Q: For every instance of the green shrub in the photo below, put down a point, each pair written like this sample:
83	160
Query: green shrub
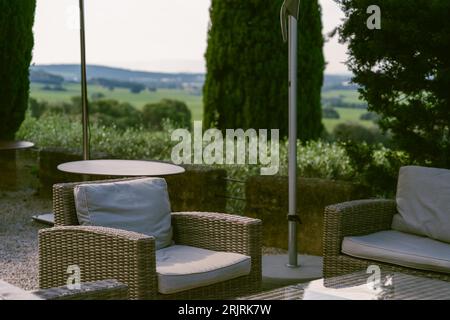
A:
376	167
177	112
66	132
356	133
330	113
369	116
37	108
97	96
114	113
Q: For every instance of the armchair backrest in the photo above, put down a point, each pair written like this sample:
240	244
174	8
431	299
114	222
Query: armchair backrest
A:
423	202
64	201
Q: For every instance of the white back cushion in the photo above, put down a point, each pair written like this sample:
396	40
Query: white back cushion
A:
136	205
423	202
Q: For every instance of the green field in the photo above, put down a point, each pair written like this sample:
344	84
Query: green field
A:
348	96
347	115
194	102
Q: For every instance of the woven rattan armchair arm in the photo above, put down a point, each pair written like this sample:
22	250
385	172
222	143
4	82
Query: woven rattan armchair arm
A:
218	231
100	254
355	218
98	290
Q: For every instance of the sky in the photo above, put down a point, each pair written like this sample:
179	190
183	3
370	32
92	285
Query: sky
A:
150	35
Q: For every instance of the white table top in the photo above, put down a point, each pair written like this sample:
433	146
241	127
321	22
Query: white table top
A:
15	145
122	168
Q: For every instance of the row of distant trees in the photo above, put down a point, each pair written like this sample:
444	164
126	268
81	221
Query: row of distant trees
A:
112	84
332	113
56	83
339	102
121	115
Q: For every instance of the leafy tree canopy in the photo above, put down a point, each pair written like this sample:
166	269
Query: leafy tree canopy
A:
404	71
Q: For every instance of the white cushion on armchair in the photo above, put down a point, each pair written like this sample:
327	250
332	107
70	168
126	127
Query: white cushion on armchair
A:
140	205
400	248
181	268
423	202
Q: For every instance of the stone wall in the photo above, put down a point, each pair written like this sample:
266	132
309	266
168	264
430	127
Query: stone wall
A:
267	199
8	170
18	169
50	158
200	188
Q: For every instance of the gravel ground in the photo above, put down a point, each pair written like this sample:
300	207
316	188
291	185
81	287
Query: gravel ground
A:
18	238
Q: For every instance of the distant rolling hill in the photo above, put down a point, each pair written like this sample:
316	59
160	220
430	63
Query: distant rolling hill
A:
71	73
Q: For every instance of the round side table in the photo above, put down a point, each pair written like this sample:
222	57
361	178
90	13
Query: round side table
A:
121	168
15	145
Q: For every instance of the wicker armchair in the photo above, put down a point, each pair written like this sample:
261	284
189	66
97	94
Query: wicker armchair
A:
357	218
104	253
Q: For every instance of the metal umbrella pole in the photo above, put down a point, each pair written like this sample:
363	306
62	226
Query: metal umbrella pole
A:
49	218
84	92
289	18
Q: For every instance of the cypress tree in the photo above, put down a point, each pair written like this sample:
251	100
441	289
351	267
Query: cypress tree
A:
247	61
16	45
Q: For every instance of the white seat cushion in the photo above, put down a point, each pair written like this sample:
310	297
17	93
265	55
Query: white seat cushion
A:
400	248
140	205
182	268
423	202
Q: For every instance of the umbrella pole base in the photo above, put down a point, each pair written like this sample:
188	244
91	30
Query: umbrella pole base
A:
276	273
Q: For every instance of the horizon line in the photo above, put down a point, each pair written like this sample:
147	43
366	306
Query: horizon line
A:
154	71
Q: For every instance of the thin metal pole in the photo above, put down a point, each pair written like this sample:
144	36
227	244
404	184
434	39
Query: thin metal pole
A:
84	94
293	218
